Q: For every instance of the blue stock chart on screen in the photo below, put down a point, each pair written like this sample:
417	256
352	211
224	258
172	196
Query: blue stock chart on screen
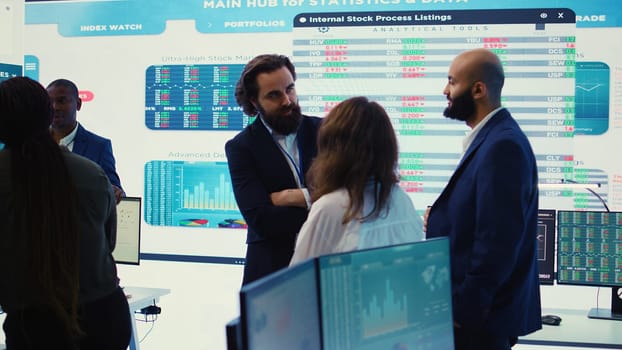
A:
190	194
592	98
389	298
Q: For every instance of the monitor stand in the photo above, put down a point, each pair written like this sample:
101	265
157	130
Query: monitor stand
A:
615	313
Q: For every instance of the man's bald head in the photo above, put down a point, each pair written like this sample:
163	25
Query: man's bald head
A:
483	65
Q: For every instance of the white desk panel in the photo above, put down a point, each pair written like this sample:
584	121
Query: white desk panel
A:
577	330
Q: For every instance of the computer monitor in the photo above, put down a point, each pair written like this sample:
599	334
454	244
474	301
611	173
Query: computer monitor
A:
232	333
546	246
396	297
589	248
127	248
281	311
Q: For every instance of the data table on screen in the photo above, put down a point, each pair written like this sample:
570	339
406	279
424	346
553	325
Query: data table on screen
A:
193	97
400	59
590	248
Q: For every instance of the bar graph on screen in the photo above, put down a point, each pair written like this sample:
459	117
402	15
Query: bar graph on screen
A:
191	194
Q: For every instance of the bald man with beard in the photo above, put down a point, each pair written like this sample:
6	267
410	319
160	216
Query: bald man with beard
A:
489	211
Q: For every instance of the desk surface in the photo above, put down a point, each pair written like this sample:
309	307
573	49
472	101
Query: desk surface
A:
577	330
138	298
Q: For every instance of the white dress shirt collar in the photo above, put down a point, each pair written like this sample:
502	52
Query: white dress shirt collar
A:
67	141
470	135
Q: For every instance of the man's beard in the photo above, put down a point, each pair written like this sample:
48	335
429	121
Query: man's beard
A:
462	107
281	123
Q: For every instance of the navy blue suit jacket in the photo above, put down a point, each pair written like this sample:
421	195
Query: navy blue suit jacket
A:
258	168
97	149
489	210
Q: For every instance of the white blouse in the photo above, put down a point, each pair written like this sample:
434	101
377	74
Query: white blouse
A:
323	232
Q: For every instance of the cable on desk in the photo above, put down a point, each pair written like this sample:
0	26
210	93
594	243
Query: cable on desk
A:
149	315
148	331
597	296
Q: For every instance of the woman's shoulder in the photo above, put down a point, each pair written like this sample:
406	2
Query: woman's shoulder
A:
398	193
82	167
333	199
76	160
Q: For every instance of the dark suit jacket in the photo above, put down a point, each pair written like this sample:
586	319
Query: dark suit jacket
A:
257	169
489	210
97	149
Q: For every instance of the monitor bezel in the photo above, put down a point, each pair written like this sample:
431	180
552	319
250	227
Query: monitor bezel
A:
551	248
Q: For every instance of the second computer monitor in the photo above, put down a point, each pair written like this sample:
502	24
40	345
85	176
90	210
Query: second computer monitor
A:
281	311
546	246
396	297
589	248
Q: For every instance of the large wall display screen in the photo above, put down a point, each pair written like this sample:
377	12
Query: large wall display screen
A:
158	79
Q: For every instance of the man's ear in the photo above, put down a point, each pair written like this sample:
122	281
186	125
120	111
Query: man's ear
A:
479	90
253	101
78	104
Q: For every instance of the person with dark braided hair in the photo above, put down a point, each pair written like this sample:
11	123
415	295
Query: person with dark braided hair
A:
58	279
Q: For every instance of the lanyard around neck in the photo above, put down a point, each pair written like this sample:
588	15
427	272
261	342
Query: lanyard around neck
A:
290	159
